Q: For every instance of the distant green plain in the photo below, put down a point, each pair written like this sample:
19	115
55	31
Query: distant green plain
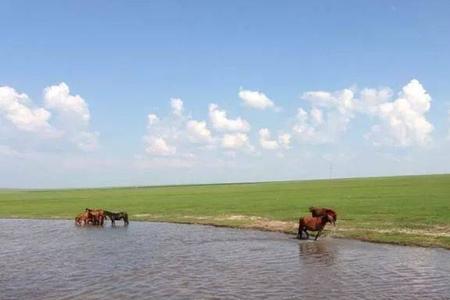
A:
410	210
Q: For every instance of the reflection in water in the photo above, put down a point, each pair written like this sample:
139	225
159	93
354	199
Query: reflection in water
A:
316	253
57	260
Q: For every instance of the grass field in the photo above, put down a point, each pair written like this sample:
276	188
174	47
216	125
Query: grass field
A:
410	210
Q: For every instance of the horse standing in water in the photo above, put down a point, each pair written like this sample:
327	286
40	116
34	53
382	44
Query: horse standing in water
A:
97	214
116	216
313	224
84	218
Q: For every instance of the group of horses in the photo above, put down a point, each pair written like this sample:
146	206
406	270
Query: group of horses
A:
97	217
316	222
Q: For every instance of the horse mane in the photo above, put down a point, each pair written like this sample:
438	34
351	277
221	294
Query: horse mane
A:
319	212
330	211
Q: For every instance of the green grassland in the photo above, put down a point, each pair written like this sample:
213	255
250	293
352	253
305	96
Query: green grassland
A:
410	210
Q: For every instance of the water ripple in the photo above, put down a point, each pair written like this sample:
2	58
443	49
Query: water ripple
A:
56	260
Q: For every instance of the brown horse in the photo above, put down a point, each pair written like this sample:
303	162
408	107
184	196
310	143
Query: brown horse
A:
84	218
319	212
314	224
98	215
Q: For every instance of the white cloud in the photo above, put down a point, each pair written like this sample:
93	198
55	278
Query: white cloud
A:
86	141
198	132
319	127
284	140
175	137
220	121
158	146
343	101
65	118
18	110
177	106
402	122
235	141
328	117
58	98
370	99
152	119
72	116
265	140
255	99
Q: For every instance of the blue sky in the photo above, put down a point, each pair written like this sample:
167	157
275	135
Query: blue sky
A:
359	87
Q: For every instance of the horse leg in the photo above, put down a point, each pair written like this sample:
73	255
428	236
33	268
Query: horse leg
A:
307	234
317	235
300	229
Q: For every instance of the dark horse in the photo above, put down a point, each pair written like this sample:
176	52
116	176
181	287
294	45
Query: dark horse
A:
314	224
116	216
319	212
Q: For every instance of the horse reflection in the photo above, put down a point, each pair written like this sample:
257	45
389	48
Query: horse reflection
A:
318	253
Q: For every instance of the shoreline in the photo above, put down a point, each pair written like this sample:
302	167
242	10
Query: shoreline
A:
336	233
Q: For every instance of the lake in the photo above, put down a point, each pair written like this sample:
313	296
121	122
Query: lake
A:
42	259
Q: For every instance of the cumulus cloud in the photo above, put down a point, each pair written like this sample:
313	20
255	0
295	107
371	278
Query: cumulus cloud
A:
371	99
152	119
161	136
284	140
177	106
266	141
58	98
72	115
328	117
198	132
343	101
86	140
63	117
402	122
18	110
236	141
318	127
220	121
255	99
175	137
158	146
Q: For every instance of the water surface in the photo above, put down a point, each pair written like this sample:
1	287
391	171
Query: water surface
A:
56	260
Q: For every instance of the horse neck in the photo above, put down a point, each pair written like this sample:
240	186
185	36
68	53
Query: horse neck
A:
323	220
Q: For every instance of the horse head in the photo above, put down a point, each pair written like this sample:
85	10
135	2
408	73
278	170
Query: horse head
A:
332	215
326	219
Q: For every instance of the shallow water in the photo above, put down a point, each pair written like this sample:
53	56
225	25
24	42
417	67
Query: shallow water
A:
57	260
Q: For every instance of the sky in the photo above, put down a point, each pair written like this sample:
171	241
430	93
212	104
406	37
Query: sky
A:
125	93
